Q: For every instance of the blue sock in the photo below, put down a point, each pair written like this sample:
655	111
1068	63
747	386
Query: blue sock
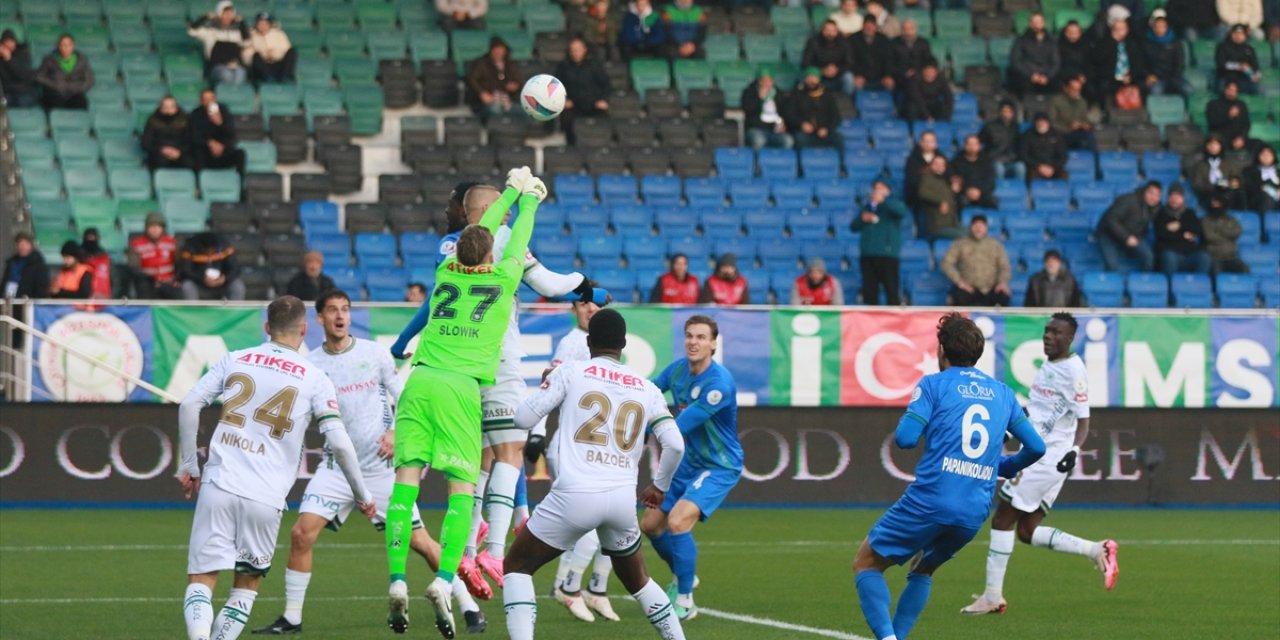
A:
911	603
662	544
522	493
873	595
684	563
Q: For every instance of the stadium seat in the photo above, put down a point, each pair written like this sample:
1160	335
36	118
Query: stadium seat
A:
703	193
791	194
185	214
85	181
1262	261
220	185
130	183
1103	289
375	250
621	283
778	164
929	289
820	164
749	194
335	246
1148	289
915	256
808	226
1050	195
1192	290
1118	167
575	190
1082	167
616	189
1250	228
735	163
660	190
677	222
721	223
599	250
318	215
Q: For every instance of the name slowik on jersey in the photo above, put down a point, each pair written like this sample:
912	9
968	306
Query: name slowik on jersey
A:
967	468
244	444
460	332
273	362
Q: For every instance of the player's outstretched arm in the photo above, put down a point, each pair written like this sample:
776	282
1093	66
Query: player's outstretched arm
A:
562	287
415	327
543	401
522	231
516	179
344	453
1032	448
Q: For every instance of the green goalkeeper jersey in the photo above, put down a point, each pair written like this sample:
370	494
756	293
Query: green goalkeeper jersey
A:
471	306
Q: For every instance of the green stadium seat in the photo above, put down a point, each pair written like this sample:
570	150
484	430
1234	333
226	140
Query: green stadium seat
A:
376	16
344	44
722	47
467	45
762	48
998	49
388	45
649	74
428	46
113	241
174	183
1266	58
36	154
336	18
130	182
97	212
1167	109
503	18
321	102
309	43
785	74
1023	18
260	156
49	213
967	53
692	74
544	18
107	65
280	98
239	98
793	49
1060	18
1268	132
85	181
355	70
30	121
1200	79
294	16
121	153
44	185
1259	106
790	22
220	185
922	17
520	42
185	214
77	152
144	97
187	94
1196	108
954	24
109	95
312	72
133	214
140	67
1202	54
113	124
69	122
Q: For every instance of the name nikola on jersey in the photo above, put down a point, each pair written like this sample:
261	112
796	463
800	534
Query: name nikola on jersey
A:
242	443
967	469
608	459
460	332
610	375
275	362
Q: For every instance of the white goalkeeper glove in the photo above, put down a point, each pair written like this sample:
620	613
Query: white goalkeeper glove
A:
534	187
516	178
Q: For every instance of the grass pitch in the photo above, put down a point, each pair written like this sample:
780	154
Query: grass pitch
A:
766	574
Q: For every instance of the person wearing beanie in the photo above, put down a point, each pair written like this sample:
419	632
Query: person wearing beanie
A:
1166	60
1043	150
816	287
815	114
75	280
269	53
1053	286
1179	236
99	261
929	95
726	286
17	78
1222	233
686	28
153	259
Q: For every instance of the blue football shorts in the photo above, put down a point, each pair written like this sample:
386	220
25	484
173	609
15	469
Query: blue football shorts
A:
900	533
704	487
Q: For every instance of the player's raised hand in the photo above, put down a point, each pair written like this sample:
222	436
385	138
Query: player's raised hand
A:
1068	462
387	445
369	509
516	178
190	485
652	497
535	187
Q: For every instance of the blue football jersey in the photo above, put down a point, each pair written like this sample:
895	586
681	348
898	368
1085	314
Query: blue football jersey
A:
965	414
447	247
707	412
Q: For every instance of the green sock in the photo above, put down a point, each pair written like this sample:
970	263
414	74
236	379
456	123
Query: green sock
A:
453	535
400	527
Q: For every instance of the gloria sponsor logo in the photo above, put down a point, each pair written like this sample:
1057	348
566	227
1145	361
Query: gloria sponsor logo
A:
107	340
975	391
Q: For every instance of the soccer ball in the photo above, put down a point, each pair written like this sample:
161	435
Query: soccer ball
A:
542	97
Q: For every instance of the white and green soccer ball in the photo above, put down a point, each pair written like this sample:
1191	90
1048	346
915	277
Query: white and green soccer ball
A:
542	97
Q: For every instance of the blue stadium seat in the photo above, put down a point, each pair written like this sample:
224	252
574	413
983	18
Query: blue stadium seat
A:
763	224
722	223
1050	195
348	279
778	164
386	294
891	134
621	283
589	227
1085	258
1071	227
575	190
1164	166
1271	226
1094	197
335	246
929	289
1118	167
1011	193
387	278
704	193
638	247
420	244
697	249
915	256
318	215
1103	289
820	164
855	134
1081	167
792	193
837	194
677	222
735	163
616	189
744	248
749	194
1025	226
559	249
375	250
1148	289
600	250
552	214
1269	289
831	251
941	129
864	166
807	226
875	106
965	108
778	254
1018	288
1250	228
627	219
1262	261
1192	290
661	191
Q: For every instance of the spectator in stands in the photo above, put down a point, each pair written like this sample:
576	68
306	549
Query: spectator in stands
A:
1179	236
1214	170
1271	20
25	273
1262	182
209	270
1116	61
886	23
462	14
879	224
213	135
1053	286
830	53
269	52
726	285
1221	234
152	256
1237	61
872	58
310	281
16	75
223	35
686	26
973	175
75	279
1166	62
764	110
918	161
99	262
494	80
978	267
1069	115
1124	228
1073	51
1228	117
676	286
66	76
643	34
599	26
816	287
586	86
166	137
929	95
1112	11
1000	139
1242	13
1195	19
416	293
911	52
847	18
1034	60
1043	151
815	113
936	196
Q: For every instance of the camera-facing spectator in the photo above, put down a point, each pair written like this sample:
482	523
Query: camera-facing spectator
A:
1116	61
1214	170
911	52
1166	61
978	267
16	75
1124	228
1228	117
815	114
886	23
643	33
270	54
941	207
98	261
462	14
847	18
676	286
66	76
1069	114
1237	61
209	270
1221	236
829	52
1054	285
929	95
25	272
1043	151
416	293
166	138
586	86
1034	61
1073	51
599	24
1179	236
75	279
213	135
999	137
1262	182
310	281
879	224
816	287
872	58
224	35
153	257
764	114
686	25
494	80
725	286
922	154
973	175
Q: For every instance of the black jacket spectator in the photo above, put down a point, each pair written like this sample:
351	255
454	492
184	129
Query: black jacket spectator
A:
1034	52
66	77
166	137
304	287
1228	117
1192	14
910	53
25	276
975	173
872	56
213	135
1165	58
917	163
586	86
1055	291
753	106
1102	67
1000	137
813	107
828	47
1173	239
1128	216
929	95
494	79
1047	148
1235	61
208	269
1073	51
1262	181
16	75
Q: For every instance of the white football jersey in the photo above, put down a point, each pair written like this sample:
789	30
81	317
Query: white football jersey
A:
269	395
572	347
363	375
1058	398
605	410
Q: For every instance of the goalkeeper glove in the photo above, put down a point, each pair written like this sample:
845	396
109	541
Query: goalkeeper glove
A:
534	447
587	293
1068	462
516	178
535	188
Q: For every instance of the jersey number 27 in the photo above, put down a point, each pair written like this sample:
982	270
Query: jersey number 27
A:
449	294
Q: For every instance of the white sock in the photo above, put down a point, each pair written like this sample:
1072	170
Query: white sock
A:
460	593
600	573
998	560
520	514
565	566
482	483
295	591
520	602
235	615
197	609
657	608
501	500
582	553
1059	540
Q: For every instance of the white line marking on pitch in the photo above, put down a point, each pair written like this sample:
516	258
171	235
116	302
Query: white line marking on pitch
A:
777	624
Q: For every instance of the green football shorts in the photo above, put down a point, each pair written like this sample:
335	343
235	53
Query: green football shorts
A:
438	423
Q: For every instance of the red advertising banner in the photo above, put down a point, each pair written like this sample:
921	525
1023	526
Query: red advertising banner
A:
884	355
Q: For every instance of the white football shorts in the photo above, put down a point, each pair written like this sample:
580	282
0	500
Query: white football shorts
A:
562	518
329	496
498	402
1036	487
231	532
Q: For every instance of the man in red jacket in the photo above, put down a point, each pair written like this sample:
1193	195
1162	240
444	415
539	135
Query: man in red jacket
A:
726	285
676	286
817	287
153	256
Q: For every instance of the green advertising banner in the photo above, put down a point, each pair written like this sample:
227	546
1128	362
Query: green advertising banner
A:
190	339
808	373
1154	345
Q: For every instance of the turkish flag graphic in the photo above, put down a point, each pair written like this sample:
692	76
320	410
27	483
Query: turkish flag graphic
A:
884	354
